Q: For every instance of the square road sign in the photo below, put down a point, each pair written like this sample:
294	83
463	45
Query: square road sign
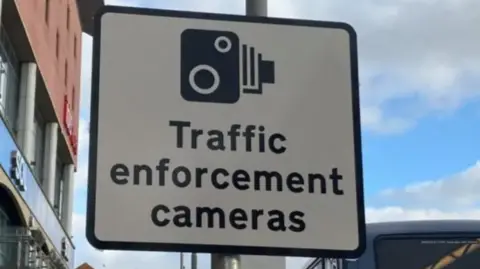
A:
227	134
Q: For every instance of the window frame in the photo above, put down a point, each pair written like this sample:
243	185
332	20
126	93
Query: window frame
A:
68	17
3	86
57	44
73	98
66	72
47	11
75	46
11	98
59	185
419	236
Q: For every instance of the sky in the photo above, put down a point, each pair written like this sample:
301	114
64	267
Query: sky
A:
419	70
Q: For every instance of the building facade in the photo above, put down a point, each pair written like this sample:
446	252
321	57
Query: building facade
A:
40	66
85	266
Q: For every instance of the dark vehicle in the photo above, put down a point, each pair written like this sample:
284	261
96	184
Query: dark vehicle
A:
440	244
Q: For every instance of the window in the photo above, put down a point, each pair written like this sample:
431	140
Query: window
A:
47	10
68	17
3	86
66	73
38	146
72	103
4	247
75	46
9	90
57	203
433	252
57	44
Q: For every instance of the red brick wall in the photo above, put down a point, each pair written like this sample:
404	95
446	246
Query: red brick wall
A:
85	266
42	32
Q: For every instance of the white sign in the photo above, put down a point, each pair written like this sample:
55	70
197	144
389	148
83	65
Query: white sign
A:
219	133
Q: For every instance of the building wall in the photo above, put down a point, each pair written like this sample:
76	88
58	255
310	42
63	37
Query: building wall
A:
26	206
54	31
40	63
14	213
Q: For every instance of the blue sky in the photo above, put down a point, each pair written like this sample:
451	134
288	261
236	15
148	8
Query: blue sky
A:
420	89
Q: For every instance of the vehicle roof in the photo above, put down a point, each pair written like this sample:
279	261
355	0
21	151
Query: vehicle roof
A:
421	226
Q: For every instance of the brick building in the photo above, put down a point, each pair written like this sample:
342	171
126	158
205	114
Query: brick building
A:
85	266
40	66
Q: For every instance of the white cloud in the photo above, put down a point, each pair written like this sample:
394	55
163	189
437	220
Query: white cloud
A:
373	117
84	135
81	177
86	74
457	191
429	46
398	213
83	142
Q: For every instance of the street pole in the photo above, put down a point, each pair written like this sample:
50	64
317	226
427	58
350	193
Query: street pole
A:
257	8
181	261
193	261
232	261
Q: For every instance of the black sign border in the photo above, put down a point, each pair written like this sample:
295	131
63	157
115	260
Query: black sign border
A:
204	248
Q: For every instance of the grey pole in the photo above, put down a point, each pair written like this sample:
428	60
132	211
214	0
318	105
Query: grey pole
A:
193	261
181	261
257	8
232	261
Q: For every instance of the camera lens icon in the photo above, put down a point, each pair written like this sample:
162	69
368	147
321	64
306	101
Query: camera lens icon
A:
194	85
223	45
215	67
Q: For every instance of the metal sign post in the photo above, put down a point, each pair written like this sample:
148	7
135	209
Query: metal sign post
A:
222	261
182	258
193	261
256	8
